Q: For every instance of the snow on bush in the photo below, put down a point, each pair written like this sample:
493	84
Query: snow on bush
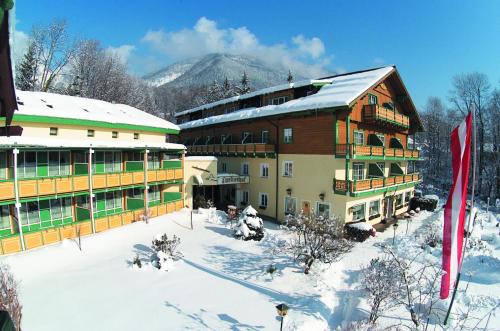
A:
317	238
166	252
9	297
360	231
249	226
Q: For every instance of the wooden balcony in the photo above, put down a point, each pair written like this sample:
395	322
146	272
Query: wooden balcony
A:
253	149
365	185
383	116
375	152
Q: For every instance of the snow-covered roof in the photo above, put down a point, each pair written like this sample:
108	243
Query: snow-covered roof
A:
341	91
25	141
267	90
43	104
200	158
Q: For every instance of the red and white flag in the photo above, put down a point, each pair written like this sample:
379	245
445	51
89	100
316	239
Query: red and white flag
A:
454	210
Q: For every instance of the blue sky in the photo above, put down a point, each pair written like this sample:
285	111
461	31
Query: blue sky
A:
429	41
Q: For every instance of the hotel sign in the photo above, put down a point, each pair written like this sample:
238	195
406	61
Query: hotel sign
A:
225	180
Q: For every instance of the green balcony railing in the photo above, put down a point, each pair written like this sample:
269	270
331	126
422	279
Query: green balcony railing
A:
356	186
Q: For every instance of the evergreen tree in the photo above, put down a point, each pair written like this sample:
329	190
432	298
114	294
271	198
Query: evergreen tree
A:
244	83
289	79
26	71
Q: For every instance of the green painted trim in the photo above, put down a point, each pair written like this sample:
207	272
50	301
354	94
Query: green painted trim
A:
81	122
387	189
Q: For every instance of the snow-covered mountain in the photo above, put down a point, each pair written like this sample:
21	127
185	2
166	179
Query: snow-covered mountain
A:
205	69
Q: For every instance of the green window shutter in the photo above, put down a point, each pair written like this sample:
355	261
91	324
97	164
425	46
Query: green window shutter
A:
396	169
375	140
374	170
395	143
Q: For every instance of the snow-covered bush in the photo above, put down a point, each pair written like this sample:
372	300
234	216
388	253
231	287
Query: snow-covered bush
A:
165	251
9	298
383	287
359	231
249	226
429	204
317	238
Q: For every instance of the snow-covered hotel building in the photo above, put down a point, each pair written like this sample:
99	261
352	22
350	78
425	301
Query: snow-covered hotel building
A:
337	145
73	148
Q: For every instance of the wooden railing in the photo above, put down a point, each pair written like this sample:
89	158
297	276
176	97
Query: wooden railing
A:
354	186
231	148
375	151
375	113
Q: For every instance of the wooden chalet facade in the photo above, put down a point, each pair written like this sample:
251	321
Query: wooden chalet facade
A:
338	145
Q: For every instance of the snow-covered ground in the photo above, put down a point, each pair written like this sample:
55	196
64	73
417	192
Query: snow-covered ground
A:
220	283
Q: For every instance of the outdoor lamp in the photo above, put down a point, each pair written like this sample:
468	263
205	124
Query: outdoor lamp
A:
322	196
282	309
289	191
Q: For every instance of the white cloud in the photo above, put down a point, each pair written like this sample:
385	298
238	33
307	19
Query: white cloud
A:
313	47
305	57
123	52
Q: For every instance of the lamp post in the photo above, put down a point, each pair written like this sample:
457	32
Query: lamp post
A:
394	227
282	311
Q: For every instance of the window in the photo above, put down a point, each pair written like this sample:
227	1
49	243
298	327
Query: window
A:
264	135
411	167
60	208
358	171
4	217
3	165
246	137
290	205
287	135
399	201
381	166
407	197
374	210
278	100
153	195
53	131
244	197
222	138
90	133
114	134
30	213
287	168
359	137
26	164
244	168
136	193
154	160
263	198
112	161
358	212
382	138
136	135
372	99
264	170
323	209
58	164
167	138
224	167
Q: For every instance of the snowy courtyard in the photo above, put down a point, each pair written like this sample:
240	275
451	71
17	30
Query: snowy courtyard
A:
221	283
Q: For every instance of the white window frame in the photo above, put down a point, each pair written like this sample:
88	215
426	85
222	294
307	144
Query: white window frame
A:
245	169
287	168
288	135
5	217
356	172
262	136
318	203
381	136
261	196
264	170
364	212
362	137
370	208
286	210
372	97
278	100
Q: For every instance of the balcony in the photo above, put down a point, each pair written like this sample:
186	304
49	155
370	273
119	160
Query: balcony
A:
253	149
355	187
375	152
383	116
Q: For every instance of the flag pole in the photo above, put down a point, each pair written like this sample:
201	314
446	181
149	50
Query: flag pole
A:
470	211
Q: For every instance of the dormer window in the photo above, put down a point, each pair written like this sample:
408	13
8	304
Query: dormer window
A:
372	99
90	133
136	135
54	131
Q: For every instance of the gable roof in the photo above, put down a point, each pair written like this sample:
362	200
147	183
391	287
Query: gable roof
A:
65	109
340	91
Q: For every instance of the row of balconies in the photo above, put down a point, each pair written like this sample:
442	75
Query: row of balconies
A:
234	149
380	115
80	182
362	185
354	151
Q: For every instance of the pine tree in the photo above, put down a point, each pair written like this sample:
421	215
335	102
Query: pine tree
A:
244	83
289	79
26	71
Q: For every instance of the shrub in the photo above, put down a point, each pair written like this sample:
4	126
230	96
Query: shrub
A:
9	298
359	231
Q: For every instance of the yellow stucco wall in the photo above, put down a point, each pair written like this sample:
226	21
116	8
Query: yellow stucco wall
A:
70	132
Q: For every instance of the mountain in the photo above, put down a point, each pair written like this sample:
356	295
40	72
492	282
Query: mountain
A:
205	69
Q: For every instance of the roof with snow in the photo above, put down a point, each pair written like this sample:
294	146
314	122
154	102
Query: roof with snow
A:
336	91
64	109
